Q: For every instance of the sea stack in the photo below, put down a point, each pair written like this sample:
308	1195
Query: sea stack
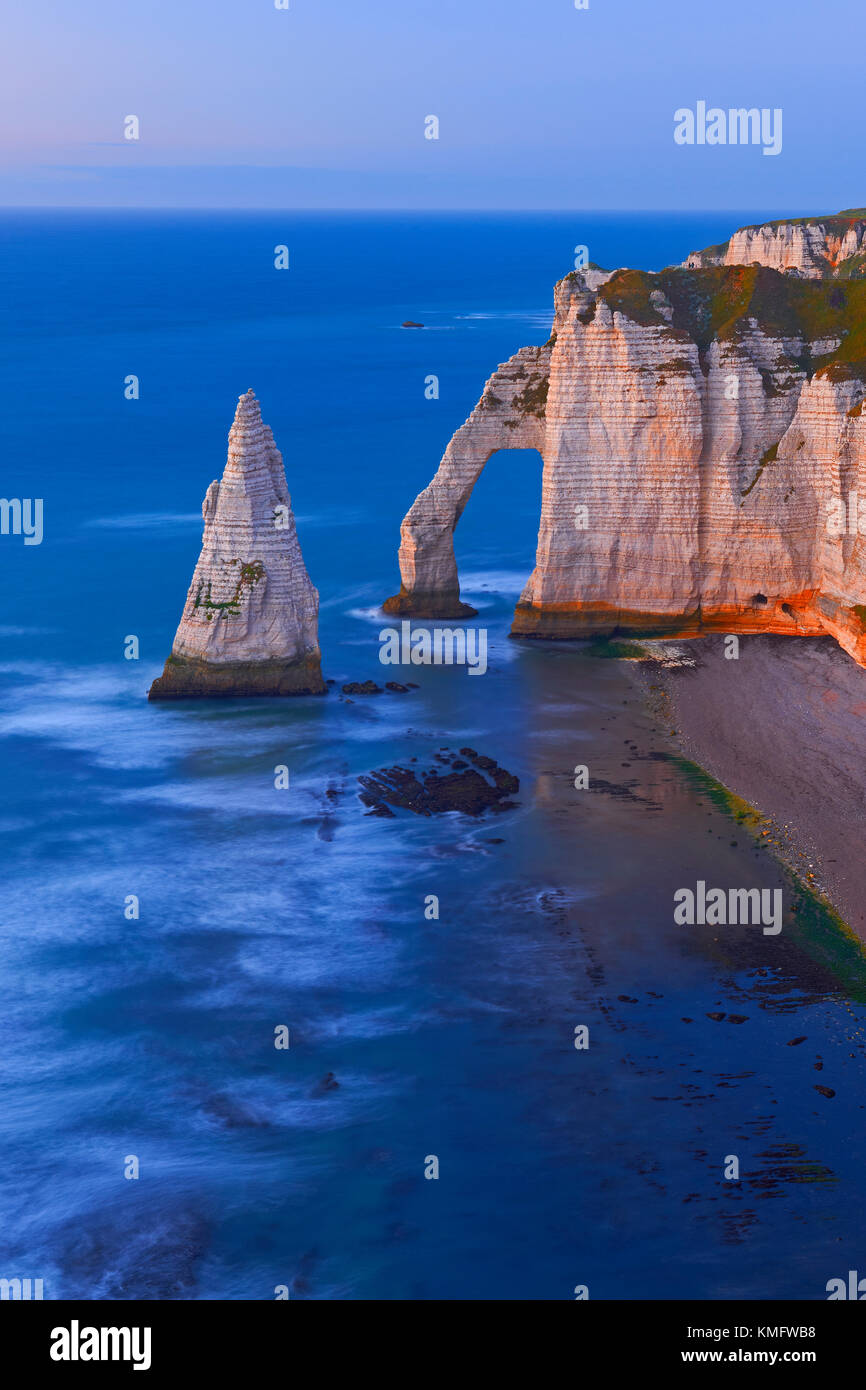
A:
250	624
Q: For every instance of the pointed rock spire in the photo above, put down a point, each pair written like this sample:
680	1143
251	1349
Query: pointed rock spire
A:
250	624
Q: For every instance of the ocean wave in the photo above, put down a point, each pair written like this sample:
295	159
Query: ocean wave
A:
509	315
25	631
334	516
145	521
103	713
373	614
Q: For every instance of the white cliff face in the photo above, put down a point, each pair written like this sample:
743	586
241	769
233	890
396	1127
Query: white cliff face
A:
690	475
250	623
808	249
623	415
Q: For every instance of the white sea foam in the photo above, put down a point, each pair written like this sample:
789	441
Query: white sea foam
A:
102	712
146	521
334	516
542	318
25	631
373	614
234	795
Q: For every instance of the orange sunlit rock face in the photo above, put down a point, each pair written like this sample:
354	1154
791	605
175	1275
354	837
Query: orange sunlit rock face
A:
704	452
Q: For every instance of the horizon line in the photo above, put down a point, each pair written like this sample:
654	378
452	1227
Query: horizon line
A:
220	207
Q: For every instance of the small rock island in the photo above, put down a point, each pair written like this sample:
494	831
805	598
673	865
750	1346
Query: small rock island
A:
250	624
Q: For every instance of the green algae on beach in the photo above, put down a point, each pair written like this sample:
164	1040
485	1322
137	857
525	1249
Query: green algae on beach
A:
813	922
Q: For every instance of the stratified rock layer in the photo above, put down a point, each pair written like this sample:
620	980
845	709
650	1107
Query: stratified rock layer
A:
809	247
250	624
699	431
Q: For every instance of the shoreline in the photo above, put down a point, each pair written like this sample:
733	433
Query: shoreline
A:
783	729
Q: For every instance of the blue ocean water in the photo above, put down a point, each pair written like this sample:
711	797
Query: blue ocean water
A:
455	1038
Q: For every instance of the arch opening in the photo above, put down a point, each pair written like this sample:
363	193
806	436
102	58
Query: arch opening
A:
496	536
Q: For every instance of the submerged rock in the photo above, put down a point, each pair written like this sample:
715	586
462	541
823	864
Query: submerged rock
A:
328	1083
461	788
250	624
371	688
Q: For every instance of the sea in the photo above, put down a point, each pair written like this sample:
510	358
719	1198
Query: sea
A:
539	1086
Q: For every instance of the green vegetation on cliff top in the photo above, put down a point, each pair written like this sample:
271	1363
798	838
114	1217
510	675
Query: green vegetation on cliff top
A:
717	302
836	223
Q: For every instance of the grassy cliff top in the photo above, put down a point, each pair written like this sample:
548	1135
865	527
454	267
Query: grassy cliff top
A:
716	302
834	223
837	223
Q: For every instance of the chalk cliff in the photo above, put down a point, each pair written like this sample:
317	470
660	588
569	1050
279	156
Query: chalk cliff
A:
808	246
700	430
250	624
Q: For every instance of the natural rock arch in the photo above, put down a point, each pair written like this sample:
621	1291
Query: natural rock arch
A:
509	415
671	501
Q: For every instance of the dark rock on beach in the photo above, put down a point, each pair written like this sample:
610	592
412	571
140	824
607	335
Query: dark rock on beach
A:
451	786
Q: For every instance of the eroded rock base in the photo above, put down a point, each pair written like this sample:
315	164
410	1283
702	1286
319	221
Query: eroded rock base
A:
576	620
427	606
184	679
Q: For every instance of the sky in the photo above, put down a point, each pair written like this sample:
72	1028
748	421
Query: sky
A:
323	105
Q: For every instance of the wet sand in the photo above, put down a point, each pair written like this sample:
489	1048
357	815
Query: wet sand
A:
783	726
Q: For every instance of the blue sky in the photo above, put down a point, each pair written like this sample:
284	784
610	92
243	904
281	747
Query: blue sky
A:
540	105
